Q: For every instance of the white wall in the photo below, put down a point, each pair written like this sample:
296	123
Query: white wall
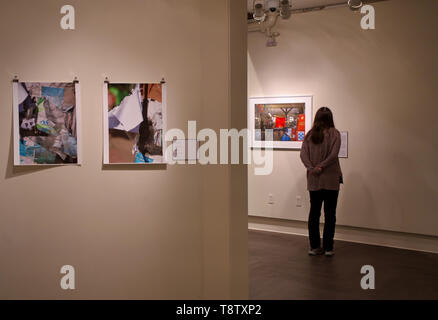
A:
131	233
381	85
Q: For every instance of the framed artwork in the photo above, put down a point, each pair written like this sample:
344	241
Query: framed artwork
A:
134	123
281	121
46	123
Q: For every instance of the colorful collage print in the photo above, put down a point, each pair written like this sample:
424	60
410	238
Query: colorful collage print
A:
287	121
47	123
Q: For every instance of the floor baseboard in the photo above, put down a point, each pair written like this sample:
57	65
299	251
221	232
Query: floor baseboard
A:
390	239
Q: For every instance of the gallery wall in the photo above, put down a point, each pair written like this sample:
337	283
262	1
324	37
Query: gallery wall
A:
224	188
130	232
381	86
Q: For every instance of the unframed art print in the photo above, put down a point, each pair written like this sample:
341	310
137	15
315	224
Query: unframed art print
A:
282	121
46	123
134	123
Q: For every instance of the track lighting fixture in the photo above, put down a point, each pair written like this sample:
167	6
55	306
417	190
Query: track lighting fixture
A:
285	11
355	4
259	11
265	14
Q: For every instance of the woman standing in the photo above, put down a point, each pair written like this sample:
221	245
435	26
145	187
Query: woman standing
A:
319	155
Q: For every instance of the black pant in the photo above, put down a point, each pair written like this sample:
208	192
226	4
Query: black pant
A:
330	199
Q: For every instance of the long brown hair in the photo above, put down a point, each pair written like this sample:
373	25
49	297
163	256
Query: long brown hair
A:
323	121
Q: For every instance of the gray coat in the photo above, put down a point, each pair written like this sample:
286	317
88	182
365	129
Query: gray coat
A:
324	155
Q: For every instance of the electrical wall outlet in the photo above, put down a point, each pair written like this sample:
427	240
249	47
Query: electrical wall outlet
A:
270	198
299	201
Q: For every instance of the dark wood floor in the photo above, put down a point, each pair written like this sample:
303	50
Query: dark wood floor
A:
280	268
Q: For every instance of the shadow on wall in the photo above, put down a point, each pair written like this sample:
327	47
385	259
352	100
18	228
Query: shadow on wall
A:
347	206
301	184
134	167
416	183
396	206
298	185
16	171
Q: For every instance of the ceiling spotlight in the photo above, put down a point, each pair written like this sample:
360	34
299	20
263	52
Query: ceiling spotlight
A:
355	4
285	11
259	12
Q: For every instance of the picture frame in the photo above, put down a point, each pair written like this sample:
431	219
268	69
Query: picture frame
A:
108	147
287	119
45	140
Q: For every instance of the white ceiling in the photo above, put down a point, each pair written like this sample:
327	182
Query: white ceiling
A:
301	4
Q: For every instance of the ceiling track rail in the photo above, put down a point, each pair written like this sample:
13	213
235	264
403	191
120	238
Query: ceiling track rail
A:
316	8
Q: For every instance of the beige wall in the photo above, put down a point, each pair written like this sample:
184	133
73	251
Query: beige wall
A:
130	232
239	173
381	86
224	188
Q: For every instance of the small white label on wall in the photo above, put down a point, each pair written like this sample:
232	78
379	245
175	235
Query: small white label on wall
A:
343	151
